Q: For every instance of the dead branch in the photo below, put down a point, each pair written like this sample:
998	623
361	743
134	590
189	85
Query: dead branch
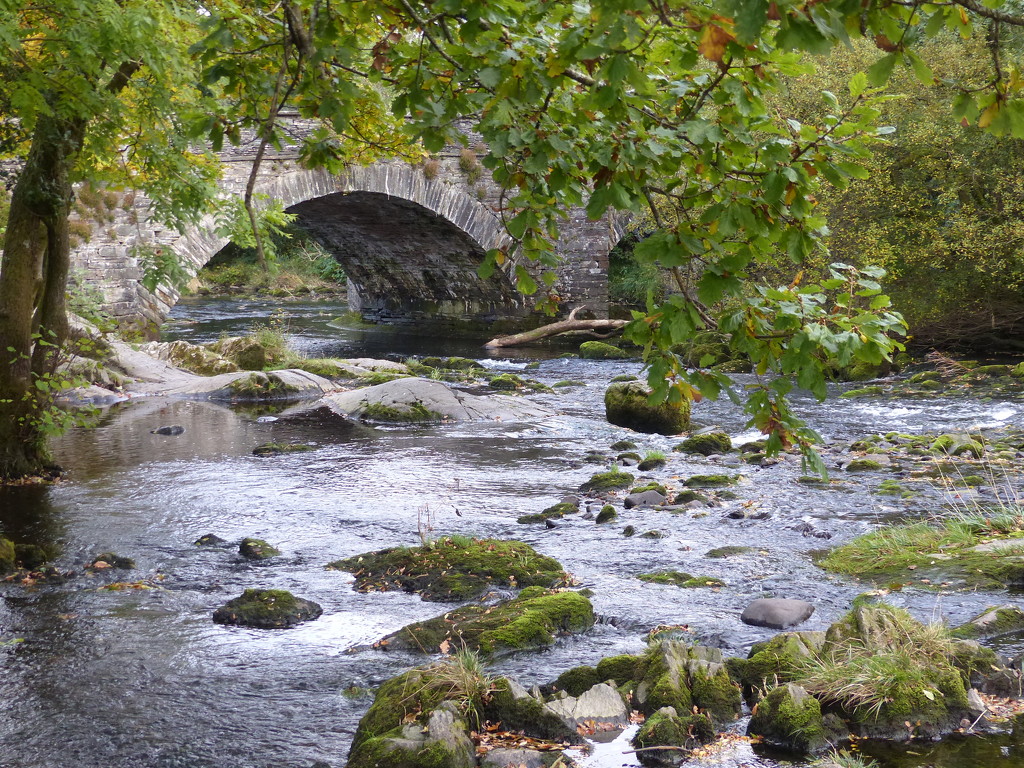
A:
601	329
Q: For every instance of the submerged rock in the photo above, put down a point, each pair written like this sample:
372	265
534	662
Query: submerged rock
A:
267	609
626	405
992	622
413	399
168	431
453	569
776	612
276	449
531	621
111	560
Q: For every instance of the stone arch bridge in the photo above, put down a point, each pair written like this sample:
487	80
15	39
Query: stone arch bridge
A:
409	237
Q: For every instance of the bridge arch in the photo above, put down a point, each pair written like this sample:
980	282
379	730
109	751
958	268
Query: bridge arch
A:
410	237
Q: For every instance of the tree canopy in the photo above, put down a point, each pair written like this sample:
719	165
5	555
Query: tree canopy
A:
620	106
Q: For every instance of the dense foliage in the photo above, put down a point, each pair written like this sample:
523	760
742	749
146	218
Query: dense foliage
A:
620	106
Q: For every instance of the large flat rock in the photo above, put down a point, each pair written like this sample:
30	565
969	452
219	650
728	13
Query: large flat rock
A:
435	396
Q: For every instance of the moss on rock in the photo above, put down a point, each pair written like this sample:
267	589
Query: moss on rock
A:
599	350
554	512
627	405
407	413
607	481
705	444
680	579
711	481
261	386
276	449
790	718
453	569
257	549
531	621
608	514
7	556
666	728
267	609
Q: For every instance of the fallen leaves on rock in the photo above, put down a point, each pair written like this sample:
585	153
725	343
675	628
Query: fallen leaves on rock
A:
1001	708
492	737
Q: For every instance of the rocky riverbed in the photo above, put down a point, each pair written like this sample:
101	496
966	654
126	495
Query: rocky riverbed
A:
127	668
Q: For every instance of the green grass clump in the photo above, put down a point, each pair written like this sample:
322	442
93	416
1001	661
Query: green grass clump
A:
411	414
879	665
946	548
680	579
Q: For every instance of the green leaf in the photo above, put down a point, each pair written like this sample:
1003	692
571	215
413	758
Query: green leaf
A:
879	72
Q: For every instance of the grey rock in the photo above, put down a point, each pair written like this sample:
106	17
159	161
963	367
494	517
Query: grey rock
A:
601	704
437	397
644	499
776	613
974	703
446	727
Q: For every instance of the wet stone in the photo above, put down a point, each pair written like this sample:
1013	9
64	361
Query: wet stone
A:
776	613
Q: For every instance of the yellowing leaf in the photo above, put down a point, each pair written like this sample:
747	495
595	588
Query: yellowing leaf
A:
713	40
988	115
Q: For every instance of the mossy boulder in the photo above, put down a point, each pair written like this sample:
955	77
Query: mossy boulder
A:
790	718
627	405
623	445
417	720
608	514
190	357
992	622
880	669
774	661
666	728
262	386
508	382
599	350
7	556
257	549
683	676
607	481
453	569
249	353
267	609
711	481
706	444
517	710
531	621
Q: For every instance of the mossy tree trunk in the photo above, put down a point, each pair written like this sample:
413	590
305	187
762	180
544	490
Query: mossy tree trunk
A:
33	279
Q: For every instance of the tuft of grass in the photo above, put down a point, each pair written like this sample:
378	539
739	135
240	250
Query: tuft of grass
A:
842	759
886	660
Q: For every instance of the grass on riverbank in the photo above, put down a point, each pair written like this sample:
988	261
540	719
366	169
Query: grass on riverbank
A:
302	267
979	549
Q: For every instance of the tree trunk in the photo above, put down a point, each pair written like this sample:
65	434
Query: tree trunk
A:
569	325
33	279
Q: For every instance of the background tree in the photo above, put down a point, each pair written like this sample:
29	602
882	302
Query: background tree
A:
615	104
92	91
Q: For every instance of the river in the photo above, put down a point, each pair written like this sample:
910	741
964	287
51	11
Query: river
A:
141	677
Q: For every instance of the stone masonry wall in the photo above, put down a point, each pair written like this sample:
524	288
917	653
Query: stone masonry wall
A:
432	262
